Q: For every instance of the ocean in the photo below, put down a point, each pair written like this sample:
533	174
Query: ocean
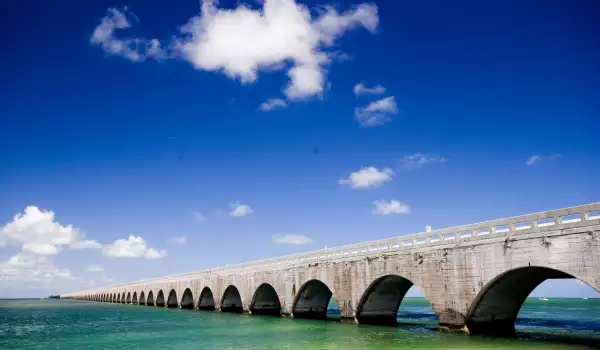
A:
66	325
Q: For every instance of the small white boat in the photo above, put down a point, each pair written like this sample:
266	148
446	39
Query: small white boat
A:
584	298
542	298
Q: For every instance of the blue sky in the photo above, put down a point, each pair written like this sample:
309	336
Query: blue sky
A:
468	112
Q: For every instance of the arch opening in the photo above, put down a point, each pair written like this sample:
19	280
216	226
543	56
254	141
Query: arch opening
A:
118	298
187	300
134	298
150	300
206	301
142	300
265	301
128	299
497	306
387	302
231	301
315	301
160	298
123	298
172	299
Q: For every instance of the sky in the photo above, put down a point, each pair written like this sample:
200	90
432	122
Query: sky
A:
140	139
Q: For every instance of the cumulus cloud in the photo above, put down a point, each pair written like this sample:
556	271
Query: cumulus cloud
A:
238	209
383	207
418	160
133	247
94	268
38	232
26	267
291	239
376	113
178	239
536	158
241	42
361	89
367	177
271	104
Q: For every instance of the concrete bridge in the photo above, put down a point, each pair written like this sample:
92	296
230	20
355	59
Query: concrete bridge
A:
476	276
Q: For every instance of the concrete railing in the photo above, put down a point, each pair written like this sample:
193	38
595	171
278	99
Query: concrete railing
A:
583	215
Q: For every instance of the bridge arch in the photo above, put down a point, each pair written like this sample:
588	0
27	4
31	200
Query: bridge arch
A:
495	309
150	300
160	298
142	299
118	298
380	302
134	298
123	298
172	299
187	300
231	300
128	299
206	301
265	301
312	300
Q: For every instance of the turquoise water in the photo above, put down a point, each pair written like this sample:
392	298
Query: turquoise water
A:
62	324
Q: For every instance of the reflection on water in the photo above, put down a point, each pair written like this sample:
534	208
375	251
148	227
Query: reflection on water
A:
60	324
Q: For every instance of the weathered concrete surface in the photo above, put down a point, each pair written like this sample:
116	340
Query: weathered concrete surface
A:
474	283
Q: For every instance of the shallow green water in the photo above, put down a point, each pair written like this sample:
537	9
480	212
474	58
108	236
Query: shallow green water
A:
61	324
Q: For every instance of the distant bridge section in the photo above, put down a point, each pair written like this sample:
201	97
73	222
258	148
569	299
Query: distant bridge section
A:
476	276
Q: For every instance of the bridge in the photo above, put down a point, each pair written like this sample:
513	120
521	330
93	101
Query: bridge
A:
476	277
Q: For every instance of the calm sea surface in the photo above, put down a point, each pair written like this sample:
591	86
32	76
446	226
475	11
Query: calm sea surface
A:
61	324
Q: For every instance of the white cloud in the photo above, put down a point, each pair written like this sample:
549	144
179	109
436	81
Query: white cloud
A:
134	49
94	268
361	89
241	42
377	113
37	232
198	216
370	177
26	267
382	207
133	247
418	160
178	239
271	104
536	158
238	209
291	239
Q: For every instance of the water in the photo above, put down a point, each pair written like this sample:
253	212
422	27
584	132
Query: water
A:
62	324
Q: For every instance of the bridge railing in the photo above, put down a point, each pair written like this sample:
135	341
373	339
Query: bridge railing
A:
583	215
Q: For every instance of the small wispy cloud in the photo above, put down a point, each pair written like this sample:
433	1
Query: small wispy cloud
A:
418	160
178	239
376	113
536	158
383	207
94	268
198	216
291	239
367	177
239	210
271	104
361	89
